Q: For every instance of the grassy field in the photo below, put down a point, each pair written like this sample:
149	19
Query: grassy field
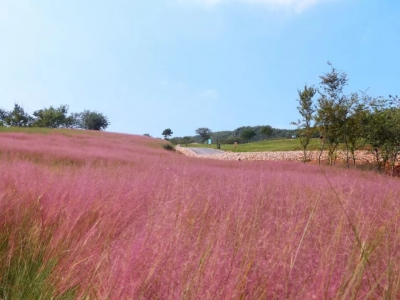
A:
95	215
267	145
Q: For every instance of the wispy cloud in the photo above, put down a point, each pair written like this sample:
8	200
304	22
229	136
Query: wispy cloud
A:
294	5
209	94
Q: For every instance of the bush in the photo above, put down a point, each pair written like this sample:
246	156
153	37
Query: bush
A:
232	140
168	147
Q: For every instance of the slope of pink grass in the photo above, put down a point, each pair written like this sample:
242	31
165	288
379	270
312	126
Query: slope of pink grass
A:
130	220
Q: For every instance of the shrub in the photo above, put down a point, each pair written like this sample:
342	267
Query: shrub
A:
168	147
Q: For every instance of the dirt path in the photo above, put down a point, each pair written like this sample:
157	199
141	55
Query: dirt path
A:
361	156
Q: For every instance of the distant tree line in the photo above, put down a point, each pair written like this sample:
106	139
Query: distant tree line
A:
242	134
353	120
53	117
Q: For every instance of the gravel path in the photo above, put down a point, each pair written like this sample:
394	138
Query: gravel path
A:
361	156
205	151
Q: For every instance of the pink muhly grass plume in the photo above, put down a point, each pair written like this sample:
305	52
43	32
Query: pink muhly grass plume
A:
129	220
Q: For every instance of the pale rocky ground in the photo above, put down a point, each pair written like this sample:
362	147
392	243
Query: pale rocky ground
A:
361	156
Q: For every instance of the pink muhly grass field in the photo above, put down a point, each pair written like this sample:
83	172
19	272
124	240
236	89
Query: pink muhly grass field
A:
116	216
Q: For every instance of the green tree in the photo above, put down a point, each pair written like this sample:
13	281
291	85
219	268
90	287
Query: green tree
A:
248	134
167	133
52	117
204	133
90	120
186	140
266	131
382	131
356	124
306	110
334	107
3	114
17	117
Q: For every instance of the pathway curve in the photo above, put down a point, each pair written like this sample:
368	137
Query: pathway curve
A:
361	156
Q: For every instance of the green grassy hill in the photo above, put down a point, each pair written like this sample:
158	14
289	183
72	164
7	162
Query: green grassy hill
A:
267	145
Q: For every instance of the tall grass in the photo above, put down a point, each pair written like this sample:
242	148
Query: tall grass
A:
111	216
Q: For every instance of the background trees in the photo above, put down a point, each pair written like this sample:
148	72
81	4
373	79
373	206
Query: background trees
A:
333	110
350	120
204	133
16	117
186	140
167	133
92	120
54	118
266	131
248	134
306	110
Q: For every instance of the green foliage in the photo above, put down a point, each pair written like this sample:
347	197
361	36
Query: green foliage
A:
334	108
17	117
3	114
382	132
248	134
25	272
265	145
266	131
231	136
91	120
306	110
186	140
167	133
168	147
231	140
350	120
52	117
204	133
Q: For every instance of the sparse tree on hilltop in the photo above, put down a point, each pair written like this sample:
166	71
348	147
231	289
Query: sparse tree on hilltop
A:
17	117
167	133
91	120
52	117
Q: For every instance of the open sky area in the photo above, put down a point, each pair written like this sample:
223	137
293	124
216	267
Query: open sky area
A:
184	64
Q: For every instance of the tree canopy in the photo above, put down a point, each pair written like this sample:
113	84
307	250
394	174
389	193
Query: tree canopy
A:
248	134
52	117
204	133
350	119
91	120
167	133
16	117
266	131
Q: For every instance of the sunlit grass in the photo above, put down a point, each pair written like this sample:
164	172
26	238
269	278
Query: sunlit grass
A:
267	145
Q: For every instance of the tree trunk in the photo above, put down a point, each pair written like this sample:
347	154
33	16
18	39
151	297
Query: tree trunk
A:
347	153
320	153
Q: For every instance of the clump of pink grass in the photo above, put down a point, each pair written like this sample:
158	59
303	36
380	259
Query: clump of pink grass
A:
129	220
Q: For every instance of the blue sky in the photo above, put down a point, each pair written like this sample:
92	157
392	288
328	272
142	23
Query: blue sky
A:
185	64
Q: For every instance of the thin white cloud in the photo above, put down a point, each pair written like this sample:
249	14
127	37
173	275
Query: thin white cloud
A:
209	94
294	5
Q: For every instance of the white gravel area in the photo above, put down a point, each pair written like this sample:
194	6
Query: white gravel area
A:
361	156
